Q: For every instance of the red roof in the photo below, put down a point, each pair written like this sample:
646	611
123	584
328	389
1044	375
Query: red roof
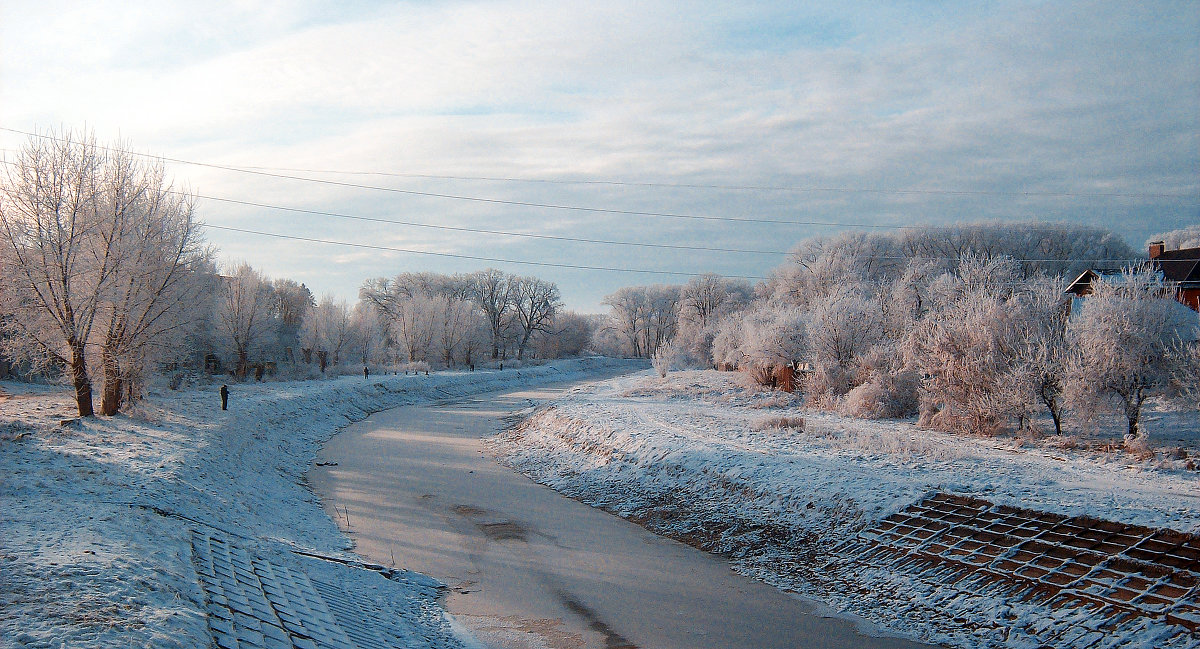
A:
1179	265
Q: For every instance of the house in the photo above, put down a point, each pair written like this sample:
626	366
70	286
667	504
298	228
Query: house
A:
1180	270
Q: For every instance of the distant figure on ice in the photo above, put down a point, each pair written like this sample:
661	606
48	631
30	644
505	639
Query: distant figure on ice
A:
224	397
366	372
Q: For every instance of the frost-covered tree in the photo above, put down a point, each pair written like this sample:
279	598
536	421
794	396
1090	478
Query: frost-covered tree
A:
244	313
1124	339
414	327
458	323
102	256
666	358
492	290
368	333
1188	237
535	302
645	316
1039	372
49	216
966	346
727	341
841	327
157	286
771	337
885	387
1185	385
821	265
704	300
327	329
293	301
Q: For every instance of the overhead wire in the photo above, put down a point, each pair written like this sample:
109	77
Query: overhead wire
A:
453	228
628	183
453	255
574	239
259	171
759	188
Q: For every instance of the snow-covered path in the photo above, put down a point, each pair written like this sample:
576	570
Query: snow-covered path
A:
529	567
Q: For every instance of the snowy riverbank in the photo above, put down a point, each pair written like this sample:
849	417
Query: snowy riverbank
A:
95	546
694	457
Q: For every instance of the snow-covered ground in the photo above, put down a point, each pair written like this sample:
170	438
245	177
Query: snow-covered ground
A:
698	456
96	515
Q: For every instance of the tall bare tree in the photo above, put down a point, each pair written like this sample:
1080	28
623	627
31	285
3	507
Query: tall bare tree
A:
154	293
49	217
244	312
492	290
535	302
327	328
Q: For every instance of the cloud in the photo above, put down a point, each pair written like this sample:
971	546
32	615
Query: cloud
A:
1072	98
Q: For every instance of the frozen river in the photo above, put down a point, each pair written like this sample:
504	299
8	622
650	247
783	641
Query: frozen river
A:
530	568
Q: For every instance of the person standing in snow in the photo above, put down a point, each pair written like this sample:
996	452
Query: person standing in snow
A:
224	397
366	372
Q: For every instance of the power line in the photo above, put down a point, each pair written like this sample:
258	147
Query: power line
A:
759	188
471	257
483	231
269	171
489	201
604	241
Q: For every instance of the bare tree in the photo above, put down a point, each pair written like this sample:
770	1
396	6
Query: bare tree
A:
492	290
646	316
368	330
327	329
535	302
415	326
571	335
456	323
156	286
292	302
49	218
244	313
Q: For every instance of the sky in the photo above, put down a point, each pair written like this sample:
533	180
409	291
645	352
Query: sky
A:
618	121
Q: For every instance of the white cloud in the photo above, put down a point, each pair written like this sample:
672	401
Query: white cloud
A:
1057	97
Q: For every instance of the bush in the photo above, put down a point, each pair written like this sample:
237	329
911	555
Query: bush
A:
884	397
779	423
666	358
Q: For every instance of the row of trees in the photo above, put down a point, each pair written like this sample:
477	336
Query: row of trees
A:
450	317
104	276
967	326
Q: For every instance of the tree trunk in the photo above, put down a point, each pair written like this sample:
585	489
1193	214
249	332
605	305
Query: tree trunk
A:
1133	410
79	377
110	401
524	342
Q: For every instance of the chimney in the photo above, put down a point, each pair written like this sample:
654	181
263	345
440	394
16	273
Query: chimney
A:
1156	249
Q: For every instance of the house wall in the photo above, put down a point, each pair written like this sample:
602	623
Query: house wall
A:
1190	297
